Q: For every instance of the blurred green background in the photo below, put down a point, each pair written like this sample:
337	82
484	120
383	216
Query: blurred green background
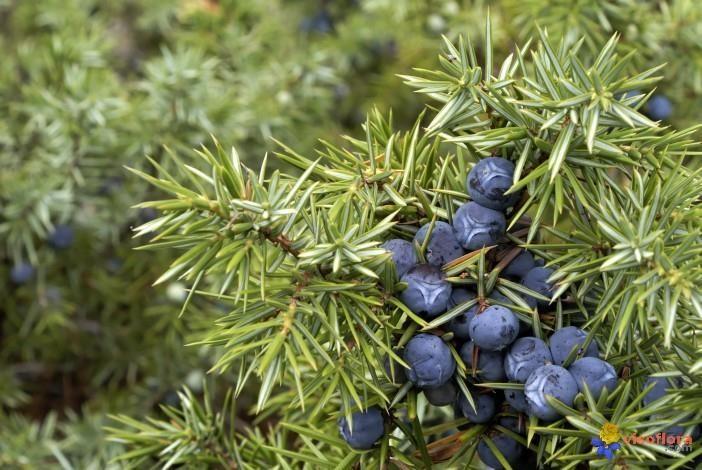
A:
88	87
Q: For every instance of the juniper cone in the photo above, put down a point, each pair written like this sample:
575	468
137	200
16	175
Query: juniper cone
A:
321	23
430	360
524	356
460	325
662	386
484	410
62	237
490	363
659	108
549	380
402	254
595	373
477	226
495	328
21	273
147	214
442	246
564	340
488	181
442	395
510	420
519	266
536	279
365	429
511	450
525	328
517	400
427	291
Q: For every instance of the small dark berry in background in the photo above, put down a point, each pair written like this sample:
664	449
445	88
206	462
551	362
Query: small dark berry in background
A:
21	273
147	214
659	108
62	237
320	23
484	407
442	395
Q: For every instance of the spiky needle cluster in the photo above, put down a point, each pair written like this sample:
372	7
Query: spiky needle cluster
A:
610	203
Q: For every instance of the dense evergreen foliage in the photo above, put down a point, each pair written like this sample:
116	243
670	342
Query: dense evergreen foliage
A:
227	227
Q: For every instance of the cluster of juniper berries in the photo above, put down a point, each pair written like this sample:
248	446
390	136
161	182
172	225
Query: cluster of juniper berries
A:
494	345
60	239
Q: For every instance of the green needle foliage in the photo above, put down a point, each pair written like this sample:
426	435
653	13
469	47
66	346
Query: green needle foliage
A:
312	302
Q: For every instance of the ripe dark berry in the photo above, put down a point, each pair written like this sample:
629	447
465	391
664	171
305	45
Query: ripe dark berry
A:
402	254
495	328
490	363
660	387
442	246
430	360
460	325
488	181
516	400
21	273
484	407
549	380
659	108
594	372
147	214
477	226
524	356
519	266
512	423
62	237
525	328
510	449
442	395
537	280
365	430
563	341
427	291
321	23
